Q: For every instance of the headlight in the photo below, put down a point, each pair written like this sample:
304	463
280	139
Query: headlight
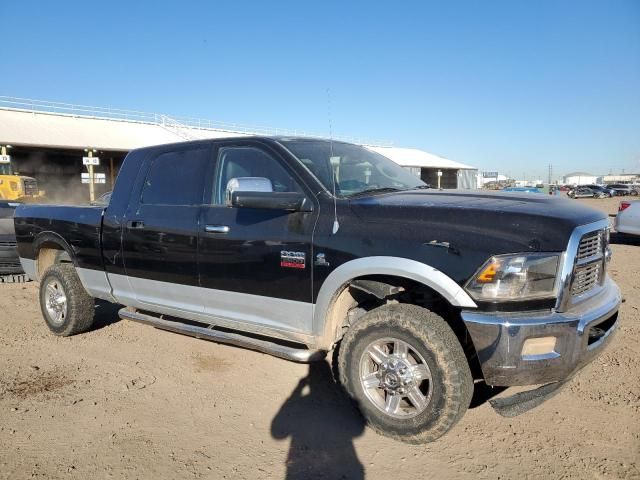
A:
516	277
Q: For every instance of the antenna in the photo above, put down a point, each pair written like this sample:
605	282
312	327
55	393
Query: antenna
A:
336	224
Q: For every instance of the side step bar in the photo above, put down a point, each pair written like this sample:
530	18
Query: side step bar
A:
300	355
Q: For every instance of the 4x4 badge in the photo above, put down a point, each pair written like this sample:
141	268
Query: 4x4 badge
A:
292	259
321	260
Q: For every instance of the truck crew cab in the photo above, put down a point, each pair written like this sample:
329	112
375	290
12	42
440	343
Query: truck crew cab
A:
296	247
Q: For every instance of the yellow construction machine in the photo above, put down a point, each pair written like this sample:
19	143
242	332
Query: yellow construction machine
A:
13	186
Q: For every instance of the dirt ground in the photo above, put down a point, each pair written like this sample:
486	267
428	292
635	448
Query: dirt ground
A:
130	401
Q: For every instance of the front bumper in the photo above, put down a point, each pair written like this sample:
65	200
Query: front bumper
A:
581	334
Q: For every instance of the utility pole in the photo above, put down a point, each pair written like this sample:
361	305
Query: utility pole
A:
89	161
92	188
111	173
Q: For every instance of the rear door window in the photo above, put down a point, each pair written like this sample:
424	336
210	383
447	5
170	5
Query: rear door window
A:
176	178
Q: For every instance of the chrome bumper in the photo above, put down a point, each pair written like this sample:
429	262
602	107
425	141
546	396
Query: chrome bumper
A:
499	338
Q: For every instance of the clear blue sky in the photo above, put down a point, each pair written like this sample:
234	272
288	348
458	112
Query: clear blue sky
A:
504	85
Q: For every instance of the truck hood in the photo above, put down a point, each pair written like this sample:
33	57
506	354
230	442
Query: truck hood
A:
511	222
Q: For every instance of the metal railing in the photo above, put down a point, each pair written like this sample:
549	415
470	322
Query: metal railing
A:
176	124
176	127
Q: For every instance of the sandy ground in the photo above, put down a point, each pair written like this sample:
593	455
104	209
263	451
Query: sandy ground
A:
129	401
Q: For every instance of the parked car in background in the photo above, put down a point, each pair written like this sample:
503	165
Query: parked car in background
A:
608	192
10	268
523	189
622	189
584	192
628	217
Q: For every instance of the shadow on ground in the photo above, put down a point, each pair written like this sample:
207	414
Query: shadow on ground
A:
322	423
482	393
106	314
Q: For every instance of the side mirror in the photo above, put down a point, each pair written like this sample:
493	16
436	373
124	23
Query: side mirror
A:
257	192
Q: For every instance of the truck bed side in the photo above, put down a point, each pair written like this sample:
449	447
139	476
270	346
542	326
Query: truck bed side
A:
74	229
45	232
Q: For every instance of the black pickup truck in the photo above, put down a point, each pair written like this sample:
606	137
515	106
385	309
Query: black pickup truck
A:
296	247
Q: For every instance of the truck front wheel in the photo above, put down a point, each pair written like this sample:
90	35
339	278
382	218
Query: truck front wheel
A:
66	306
407	371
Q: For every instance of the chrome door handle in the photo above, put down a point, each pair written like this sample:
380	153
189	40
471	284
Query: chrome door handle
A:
216	229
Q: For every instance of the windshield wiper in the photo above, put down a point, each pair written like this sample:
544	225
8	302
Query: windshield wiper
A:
421	187
374	190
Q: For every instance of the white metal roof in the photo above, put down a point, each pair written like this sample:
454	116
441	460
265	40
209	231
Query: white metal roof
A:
412	157
54	124
579	174
68	131
184	127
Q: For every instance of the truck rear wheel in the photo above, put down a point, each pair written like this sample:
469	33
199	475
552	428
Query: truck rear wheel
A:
66	306
407	371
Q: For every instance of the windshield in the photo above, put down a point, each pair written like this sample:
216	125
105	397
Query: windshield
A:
356	169
5	169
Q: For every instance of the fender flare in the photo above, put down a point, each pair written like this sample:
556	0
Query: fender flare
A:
383	265
51	237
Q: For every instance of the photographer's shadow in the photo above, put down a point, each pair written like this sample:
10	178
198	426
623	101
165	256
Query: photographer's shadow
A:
322	424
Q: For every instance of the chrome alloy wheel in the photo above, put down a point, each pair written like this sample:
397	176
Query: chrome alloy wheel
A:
55	301
395	378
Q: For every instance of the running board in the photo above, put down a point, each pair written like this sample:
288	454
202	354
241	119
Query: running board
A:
300	355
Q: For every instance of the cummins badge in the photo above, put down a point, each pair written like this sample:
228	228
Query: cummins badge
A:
292	259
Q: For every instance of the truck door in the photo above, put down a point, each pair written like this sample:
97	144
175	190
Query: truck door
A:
160	232
256	263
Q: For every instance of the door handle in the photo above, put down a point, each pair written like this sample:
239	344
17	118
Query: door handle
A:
135	224
216	229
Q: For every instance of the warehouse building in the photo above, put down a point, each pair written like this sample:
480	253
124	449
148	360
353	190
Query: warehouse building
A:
48	140
580	178
432	169
627	178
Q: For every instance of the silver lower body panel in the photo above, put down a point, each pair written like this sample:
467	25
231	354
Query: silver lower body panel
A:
301	355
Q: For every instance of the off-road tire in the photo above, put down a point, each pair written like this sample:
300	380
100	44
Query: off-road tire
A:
433	338
80	305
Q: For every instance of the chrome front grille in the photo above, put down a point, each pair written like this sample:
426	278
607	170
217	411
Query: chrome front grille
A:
8	244
589	268
591	245
586	278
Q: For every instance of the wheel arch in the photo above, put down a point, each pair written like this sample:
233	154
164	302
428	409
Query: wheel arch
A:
50	248
334	298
